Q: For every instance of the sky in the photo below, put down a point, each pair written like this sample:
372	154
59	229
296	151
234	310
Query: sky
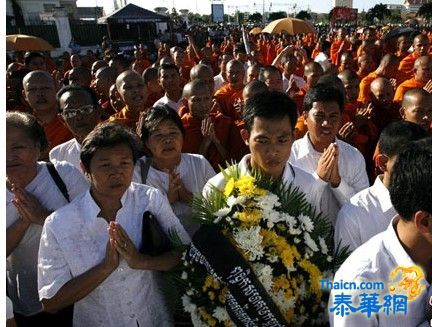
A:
204	6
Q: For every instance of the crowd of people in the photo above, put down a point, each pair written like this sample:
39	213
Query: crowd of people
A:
94	144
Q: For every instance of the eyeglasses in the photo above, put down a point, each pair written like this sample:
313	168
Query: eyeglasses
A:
84	110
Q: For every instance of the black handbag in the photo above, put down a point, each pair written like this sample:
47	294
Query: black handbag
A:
154	240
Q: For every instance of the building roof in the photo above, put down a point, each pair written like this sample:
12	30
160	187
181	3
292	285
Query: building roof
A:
132	14
416	2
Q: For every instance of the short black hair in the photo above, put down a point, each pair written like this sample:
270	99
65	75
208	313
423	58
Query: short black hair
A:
323	93
106	135
411	179
269	105
77	88
167	67
156	115
29	56
29	125
150	74
397	134
122	60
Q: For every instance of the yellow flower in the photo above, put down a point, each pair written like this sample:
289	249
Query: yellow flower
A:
222	295
280	282
207	317
245	185
250	217
211	295
288	314
208	282
229	187
314	276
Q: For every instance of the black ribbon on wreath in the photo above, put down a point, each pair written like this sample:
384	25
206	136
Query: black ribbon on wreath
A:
248	303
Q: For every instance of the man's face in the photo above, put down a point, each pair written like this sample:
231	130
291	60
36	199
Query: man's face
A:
169	80
421	46
252	74
40	93
419	111
133	92
424	71
270	144
323	122
235	74
347	62
403	44
79	113
37	63
382	94
352	90
274	81
199	102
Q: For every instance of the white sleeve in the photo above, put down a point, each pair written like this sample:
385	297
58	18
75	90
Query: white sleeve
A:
166	217
347	230
9	308
53	270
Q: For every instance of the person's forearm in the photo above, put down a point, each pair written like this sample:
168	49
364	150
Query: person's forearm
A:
14	235
204	146
163	262
77	288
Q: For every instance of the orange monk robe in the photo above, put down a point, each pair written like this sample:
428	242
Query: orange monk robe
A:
405	86
315	53
143	62
271	53
229	101
56	132
401	55
152	98
334	50
66	66
299	97
364	93
50	65
361	75
407	64
238	148
193	137
105	104
126	117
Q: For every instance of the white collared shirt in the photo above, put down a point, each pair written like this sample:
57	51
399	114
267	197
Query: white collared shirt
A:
316	194
367	213
68	151
74	240
298	80
22	262
372	262
170	103
219	81
352	167
194	171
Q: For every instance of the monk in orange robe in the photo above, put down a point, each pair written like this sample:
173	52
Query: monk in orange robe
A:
131	89
403	44
384	109
422	74
154	89
206	133
339	46
346	62
366	65
229	96
421	48
387	69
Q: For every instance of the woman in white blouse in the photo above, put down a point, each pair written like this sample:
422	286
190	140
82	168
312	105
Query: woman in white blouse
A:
178	175
89	249
31	195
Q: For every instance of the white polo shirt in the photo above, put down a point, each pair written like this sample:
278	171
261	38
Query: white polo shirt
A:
68	151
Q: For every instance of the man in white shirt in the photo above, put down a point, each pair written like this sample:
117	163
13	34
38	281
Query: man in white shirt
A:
370	211
269	119
319	152
400	258
220	79
81	113
169	79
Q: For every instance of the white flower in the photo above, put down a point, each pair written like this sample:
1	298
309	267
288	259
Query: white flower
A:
310	242
268	202
189	292
329	258
184	275
221	314
188	306
264	274
231	201
272	258
220	214
323	245
281	301
306	223
302	290
291	223
297	240
270	225
249	240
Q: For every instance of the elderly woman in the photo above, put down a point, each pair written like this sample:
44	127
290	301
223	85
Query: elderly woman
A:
178	175
89	249
33	190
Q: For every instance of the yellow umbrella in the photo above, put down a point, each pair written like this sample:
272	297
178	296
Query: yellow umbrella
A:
289	25
22	42
255	30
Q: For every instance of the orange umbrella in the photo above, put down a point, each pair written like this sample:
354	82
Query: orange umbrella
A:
22	42
255	30
290	26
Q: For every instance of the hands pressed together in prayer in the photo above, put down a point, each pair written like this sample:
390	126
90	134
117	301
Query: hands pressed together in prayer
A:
177	190
428	86
208	131
328	167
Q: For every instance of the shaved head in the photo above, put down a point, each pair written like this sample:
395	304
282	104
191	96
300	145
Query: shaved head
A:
348	76
389	59
379	83
313	67
203	72
413	95
37	74
253	88
423	69
194	86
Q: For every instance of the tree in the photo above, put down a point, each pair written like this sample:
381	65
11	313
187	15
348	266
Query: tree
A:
379	11
303	14
17	12
256	17
425	11
277	15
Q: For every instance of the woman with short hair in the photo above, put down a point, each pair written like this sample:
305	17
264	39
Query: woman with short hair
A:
34	189
89	250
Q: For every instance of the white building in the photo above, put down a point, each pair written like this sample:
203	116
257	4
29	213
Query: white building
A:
343	3
33	9
410	7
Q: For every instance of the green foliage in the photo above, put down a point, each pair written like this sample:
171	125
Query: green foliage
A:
425	11
379	11
276	15
256	17
303	14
